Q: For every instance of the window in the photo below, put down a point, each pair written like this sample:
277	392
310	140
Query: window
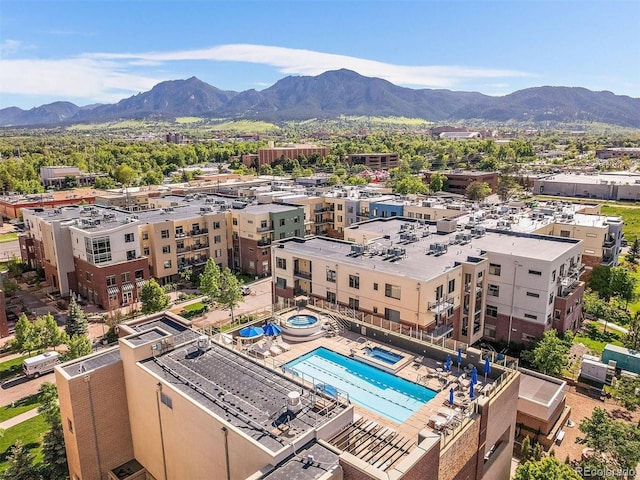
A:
339	218
354	303
533	294
131	255
263	224
557	313
98	249
375	309
331	276
493	290
139	274
125	277
565	233
145	251
490	331
70	425
527	338
392	291
550	298
179	230
281	263
180	244
591	235
215	225
166	400
195	227
548	319
354	281
331	297
235	221
491	311
166	249
530	316
296	219
217	253
375	287
250	222
111	280
553	276
87	276
282	222
217	239
350	209
494	269
128	237
535	272
339	207
452	286
439	289
282	235
167	264
281	282
164	234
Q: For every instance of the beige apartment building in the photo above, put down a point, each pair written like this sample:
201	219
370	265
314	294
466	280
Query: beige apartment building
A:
463	284
169	404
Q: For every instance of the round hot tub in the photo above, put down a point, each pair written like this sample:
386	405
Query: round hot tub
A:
301	327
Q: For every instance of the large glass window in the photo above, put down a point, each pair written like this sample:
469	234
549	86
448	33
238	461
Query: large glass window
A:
354	281
392	291
98	249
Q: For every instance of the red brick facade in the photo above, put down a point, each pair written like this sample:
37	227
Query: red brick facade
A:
4	324
250	251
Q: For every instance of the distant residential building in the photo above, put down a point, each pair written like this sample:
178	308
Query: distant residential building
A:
12	205
174	138
460	135
57	176
375	161
603	186
266	156
619	152
459	180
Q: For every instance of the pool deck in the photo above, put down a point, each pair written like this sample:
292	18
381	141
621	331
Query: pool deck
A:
430	372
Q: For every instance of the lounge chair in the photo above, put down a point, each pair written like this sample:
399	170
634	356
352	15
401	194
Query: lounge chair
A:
417	361
259	350
274	349
283	346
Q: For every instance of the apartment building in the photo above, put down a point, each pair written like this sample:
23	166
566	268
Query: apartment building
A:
459	180
266	156
375	161
55	176
11	206
254	227
465	284
131	199
167	403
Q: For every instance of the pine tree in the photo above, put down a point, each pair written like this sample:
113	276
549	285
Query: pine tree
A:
76	320
537	452
54	454
20	464
525	449
634	251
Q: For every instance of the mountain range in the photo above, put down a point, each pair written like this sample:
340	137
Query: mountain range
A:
341	92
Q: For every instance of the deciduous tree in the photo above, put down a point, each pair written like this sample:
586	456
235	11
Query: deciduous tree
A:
548	468
210	280
550	354
78	346
230	291
153	297
478	191
626	390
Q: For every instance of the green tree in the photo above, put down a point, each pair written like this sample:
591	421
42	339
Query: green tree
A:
210	280
78	346
410	184
153	297
105	183
507	188
437	181
76	323
478	191
626	390
53	448
632	338
230	291
20	464
548	468
616	441
26	337
610	282
125	174
525	449
50	334
550	354
634	251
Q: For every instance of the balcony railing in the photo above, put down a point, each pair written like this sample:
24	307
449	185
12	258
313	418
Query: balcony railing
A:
441	305
609	241
264	229
202	231
301	274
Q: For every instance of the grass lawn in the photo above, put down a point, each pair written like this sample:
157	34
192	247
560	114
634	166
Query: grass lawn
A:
631	217
8	237
11	367
194	306
23	405
598	345
30	433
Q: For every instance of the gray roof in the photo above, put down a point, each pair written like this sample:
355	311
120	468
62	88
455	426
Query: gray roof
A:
416	263
245	394
269	208
538	389
298	468
93	362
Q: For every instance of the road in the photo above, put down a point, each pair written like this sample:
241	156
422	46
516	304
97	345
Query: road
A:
14	390
9	249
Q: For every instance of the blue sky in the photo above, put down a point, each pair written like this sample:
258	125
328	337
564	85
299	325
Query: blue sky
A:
95	51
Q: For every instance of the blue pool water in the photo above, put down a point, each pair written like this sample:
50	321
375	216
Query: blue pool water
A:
302	320
390	396
383	355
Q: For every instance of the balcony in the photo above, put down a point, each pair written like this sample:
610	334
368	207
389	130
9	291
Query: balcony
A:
609	241
202	231
264	242
324	209
301	274
440	306
468	288
264	229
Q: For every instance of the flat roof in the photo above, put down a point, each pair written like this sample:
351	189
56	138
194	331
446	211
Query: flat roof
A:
298	468
538	389
93	362
243	393
269	208
77	193
620	178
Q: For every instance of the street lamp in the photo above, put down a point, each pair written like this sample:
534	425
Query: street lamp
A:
516	264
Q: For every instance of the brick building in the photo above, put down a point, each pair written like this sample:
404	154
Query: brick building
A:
266	156
459	180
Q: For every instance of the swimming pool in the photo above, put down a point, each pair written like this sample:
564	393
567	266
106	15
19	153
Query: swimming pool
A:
383	355
390	396
302	320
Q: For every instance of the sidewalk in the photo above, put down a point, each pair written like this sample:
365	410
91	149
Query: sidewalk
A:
19	419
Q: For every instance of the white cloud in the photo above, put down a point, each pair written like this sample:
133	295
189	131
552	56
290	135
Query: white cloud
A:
108	77
9	47
307	62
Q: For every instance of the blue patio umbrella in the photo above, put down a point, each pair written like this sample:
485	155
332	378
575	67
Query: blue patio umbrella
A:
447	364
459	358
471	393
251	332
272	330
451	397
487	368
474	375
